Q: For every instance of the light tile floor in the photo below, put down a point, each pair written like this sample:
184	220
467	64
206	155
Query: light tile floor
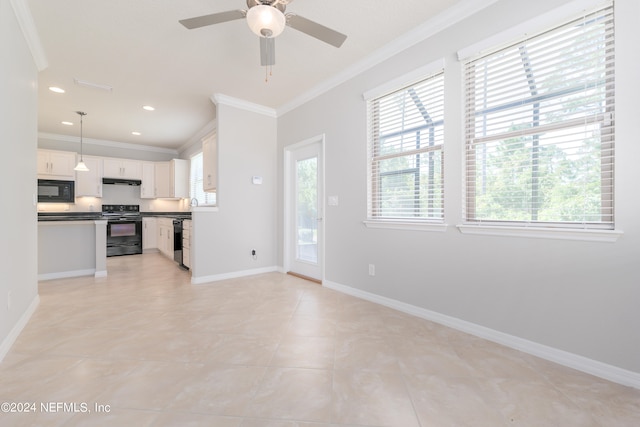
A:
273	351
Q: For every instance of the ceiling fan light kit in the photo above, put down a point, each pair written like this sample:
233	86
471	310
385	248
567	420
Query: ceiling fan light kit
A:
266	21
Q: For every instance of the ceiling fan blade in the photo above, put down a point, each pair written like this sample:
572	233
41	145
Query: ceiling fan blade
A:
316	30
216	18
267	51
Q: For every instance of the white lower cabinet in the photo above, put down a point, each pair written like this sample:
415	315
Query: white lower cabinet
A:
165	236
186	242
149	234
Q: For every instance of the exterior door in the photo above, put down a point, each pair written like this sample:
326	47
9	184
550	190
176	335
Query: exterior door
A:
304	223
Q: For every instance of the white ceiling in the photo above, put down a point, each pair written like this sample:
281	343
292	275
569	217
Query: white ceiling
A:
139	49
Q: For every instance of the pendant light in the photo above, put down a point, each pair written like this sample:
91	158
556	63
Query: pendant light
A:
81	167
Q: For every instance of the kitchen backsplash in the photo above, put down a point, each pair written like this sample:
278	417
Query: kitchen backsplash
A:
117	195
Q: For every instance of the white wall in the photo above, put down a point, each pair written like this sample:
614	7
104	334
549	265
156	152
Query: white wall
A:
245	220
18	133
580	297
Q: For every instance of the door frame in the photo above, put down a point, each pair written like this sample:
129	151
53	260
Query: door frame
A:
288	202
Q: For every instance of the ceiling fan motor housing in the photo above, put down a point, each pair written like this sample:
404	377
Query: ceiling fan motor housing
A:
278	4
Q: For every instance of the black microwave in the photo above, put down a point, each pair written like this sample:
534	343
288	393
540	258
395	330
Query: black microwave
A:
54	191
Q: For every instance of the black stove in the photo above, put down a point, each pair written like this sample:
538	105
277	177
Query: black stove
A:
124	229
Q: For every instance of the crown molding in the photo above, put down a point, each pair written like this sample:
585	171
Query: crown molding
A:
28	27
197	137
438	23
219	98
106	143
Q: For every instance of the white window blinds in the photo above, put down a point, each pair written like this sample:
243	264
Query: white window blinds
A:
406	134
196	182
540	128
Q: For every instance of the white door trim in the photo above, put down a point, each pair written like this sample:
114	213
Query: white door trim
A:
288	182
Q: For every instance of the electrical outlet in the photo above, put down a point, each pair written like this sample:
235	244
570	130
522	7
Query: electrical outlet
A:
254	254
372	270
9	300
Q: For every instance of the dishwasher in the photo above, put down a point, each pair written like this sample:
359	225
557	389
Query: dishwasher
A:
177	241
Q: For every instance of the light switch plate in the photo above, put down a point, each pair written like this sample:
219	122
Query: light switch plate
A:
256	180
333	201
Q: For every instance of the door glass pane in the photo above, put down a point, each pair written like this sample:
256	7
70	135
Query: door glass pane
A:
307	210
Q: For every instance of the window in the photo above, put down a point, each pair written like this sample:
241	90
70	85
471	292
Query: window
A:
540	129
406	133
197	184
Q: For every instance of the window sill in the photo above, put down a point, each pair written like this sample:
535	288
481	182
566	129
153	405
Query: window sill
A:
406	225
607	236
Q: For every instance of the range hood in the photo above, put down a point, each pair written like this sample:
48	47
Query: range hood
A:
121	181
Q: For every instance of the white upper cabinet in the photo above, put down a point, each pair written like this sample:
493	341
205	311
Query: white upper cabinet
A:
210	163
90	183
56	165
148	187
122	168
163	186
172	179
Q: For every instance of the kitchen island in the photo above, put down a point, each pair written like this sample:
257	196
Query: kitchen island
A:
71	245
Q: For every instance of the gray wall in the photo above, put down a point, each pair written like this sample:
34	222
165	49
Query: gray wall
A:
66	248
18	133
581	297
222	241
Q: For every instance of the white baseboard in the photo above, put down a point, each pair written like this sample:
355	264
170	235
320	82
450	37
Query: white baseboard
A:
6	344
66	274
571	360
232	275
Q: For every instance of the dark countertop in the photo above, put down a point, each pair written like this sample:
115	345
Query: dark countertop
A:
70	216
94	216
179	215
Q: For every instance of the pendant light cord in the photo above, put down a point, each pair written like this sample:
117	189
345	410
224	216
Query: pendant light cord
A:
82	114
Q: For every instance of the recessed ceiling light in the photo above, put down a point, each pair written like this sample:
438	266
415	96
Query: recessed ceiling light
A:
67	123
56	89
148	107
136	133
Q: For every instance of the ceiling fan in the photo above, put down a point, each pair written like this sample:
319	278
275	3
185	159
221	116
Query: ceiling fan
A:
267	19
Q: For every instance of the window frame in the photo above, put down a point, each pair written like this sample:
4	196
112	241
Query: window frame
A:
598	230
193	183
404	83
